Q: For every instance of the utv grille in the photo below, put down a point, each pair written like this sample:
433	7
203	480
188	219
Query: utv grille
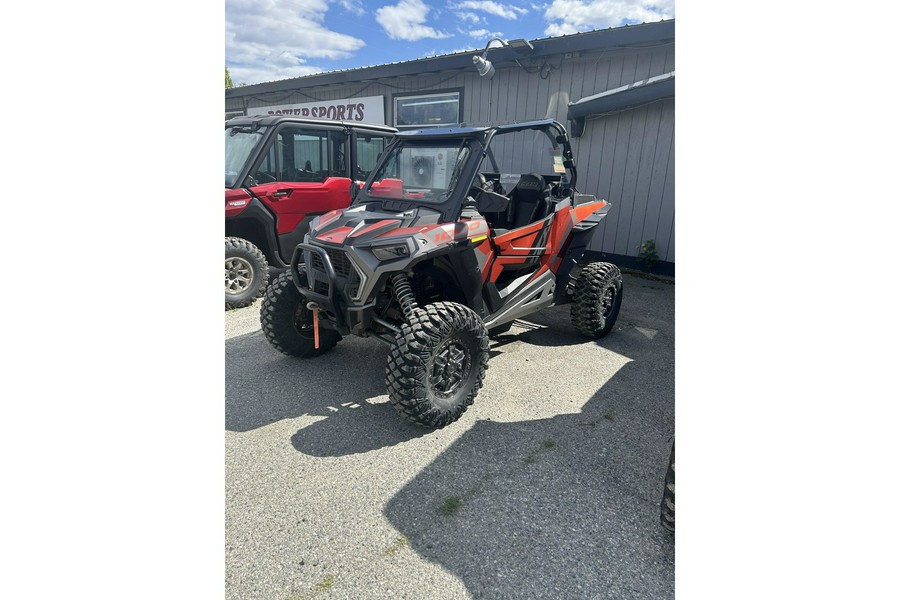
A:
343	267
316	262
341	263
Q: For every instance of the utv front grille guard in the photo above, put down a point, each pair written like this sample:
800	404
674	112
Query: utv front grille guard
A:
301	260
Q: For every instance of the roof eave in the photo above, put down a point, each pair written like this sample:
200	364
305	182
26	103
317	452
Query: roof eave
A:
621	98
619	37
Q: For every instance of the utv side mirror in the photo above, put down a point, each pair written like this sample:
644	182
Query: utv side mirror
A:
354	189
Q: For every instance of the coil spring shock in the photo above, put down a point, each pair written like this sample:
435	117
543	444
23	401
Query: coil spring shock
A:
404	294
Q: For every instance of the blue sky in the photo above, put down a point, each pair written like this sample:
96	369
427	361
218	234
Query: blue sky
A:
269	40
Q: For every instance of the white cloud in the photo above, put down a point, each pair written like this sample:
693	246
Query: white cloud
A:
268	40
405	21
483	34
353	6
573	16
507	11
467	16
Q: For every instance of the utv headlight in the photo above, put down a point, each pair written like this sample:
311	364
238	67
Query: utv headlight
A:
391	252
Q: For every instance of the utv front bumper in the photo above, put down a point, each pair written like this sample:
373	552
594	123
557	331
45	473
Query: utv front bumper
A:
330	279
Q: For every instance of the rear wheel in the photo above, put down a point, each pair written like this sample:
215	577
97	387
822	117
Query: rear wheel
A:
667	506
288	324
246	273
596	299
436	364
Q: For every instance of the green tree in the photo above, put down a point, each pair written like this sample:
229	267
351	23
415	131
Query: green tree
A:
228	83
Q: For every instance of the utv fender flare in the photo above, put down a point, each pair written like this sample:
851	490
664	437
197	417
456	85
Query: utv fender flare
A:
257	225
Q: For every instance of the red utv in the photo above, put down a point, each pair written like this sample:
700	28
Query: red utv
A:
280	172
456	232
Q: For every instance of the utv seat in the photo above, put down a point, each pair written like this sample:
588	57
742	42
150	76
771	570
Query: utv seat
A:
529	201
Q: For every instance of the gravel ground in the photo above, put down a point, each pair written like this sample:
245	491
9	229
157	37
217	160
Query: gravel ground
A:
547	487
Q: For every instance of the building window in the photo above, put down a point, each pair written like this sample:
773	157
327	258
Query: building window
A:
428	110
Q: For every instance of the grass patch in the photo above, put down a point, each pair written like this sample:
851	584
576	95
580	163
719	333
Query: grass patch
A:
324	585
397	546
451	506
609	416
546	445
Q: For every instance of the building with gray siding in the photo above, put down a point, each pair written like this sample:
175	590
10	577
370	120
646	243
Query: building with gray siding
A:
614	90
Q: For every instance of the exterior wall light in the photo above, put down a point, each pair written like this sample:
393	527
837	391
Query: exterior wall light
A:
484	66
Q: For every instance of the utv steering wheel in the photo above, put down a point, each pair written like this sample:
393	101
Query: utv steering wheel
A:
479	186
485	198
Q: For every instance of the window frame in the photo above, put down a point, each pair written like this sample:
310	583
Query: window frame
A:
273	145
423	94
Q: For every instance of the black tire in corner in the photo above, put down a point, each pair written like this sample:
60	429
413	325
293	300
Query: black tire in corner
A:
667	506
436	364
596	299
246	273
288	324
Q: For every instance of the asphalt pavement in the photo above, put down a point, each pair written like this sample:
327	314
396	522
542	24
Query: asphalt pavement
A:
547	487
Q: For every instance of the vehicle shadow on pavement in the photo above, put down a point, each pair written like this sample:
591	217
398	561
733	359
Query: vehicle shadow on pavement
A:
547	328
566	507
355	430
552	327
346	386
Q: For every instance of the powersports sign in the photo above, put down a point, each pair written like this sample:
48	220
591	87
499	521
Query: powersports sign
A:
369	109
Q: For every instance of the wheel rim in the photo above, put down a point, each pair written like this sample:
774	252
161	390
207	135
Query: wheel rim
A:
238	275
606	303
303	321
450	368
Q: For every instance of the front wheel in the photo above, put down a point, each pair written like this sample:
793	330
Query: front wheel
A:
246	273
596	299
436	364
288	324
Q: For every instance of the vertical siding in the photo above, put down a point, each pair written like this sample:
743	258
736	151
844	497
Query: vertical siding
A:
625	157
655	226
665	230
637	200
631	169
628	159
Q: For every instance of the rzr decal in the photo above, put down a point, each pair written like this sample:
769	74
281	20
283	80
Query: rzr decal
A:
456	232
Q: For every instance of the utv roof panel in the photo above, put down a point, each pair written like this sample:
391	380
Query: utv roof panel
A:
269	120
459	132
443	132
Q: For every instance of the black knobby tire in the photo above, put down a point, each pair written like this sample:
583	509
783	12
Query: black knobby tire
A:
288	323
667	506
436	364
596	299
246	273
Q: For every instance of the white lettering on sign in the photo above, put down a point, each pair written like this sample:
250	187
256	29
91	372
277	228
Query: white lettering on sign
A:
369	109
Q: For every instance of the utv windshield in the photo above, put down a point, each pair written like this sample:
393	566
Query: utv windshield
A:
423	172
239	144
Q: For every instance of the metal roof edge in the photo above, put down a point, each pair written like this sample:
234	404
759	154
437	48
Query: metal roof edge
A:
618	37
620	98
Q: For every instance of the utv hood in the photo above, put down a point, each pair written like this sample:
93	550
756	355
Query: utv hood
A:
361	226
